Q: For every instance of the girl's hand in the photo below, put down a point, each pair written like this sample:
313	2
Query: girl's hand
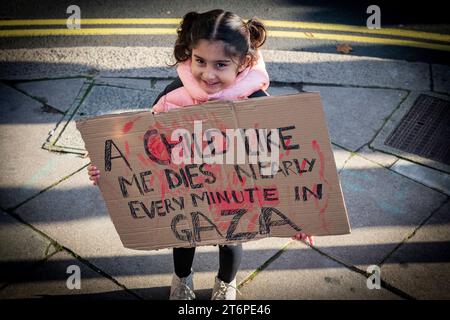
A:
304	237
94	174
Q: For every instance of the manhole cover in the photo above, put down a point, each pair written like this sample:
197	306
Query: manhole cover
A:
424	130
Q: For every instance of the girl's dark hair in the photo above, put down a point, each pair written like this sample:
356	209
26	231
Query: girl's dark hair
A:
241	38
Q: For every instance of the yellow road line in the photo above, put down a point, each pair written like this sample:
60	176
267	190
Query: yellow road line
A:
172	31
269	23
86	32
346	28
359	39
45	22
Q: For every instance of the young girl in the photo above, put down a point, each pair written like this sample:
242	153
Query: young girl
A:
217	58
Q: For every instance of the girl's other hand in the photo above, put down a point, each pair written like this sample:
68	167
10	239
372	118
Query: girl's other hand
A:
304	237
94	174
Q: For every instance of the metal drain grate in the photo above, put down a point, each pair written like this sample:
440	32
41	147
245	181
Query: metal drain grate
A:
424	130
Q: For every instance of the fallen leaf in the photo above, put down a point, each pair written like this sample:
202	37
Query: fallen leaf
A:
344	48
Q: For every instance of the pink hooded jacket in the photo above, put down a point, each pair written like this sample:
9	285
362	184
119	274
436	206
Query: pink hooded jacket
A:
247	82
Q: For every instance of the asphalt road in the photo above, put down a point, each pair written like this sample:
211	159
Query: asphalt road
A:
330	20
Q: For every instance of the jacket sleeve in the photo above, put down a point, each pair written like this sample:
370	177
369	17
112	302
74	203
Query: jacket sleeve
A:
257	94
170	87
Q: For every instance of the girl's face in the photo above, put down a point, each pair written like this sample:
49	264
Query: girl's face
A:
212	69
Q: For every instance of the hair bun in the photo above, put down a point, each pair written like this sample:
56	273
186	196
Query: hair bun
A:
257	32
187	21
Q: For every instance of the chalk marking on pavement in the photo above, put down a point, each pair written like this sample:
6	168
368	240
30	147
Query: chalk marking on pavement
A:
270	23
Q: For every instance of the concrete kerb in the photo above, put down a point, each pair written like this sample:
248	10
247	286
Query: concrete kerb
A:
56	95
153	62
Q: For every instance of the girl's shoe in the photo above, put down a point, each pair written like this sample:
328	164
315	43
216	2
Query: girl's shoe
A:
182	288
223	290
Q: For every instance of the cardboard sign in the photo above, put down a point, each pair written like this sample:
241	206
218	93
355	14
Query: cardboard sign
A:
155	203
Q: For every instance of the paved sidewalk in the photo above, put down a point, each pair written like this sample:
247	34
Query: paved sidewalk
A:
52	217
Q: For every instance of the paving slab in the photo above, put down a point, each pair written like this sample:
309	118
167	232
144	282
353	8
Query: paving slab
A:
340	156
128	83
301	273
21	248
383	207
12	100
49	281
354	115
421	266
281	90
106	100
441	78
25	168
338	69
392	124
103	99
382	158
59	94
159	84
429	177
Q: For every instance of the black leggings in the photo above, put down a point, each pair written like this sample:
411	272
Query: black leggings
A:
229	260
